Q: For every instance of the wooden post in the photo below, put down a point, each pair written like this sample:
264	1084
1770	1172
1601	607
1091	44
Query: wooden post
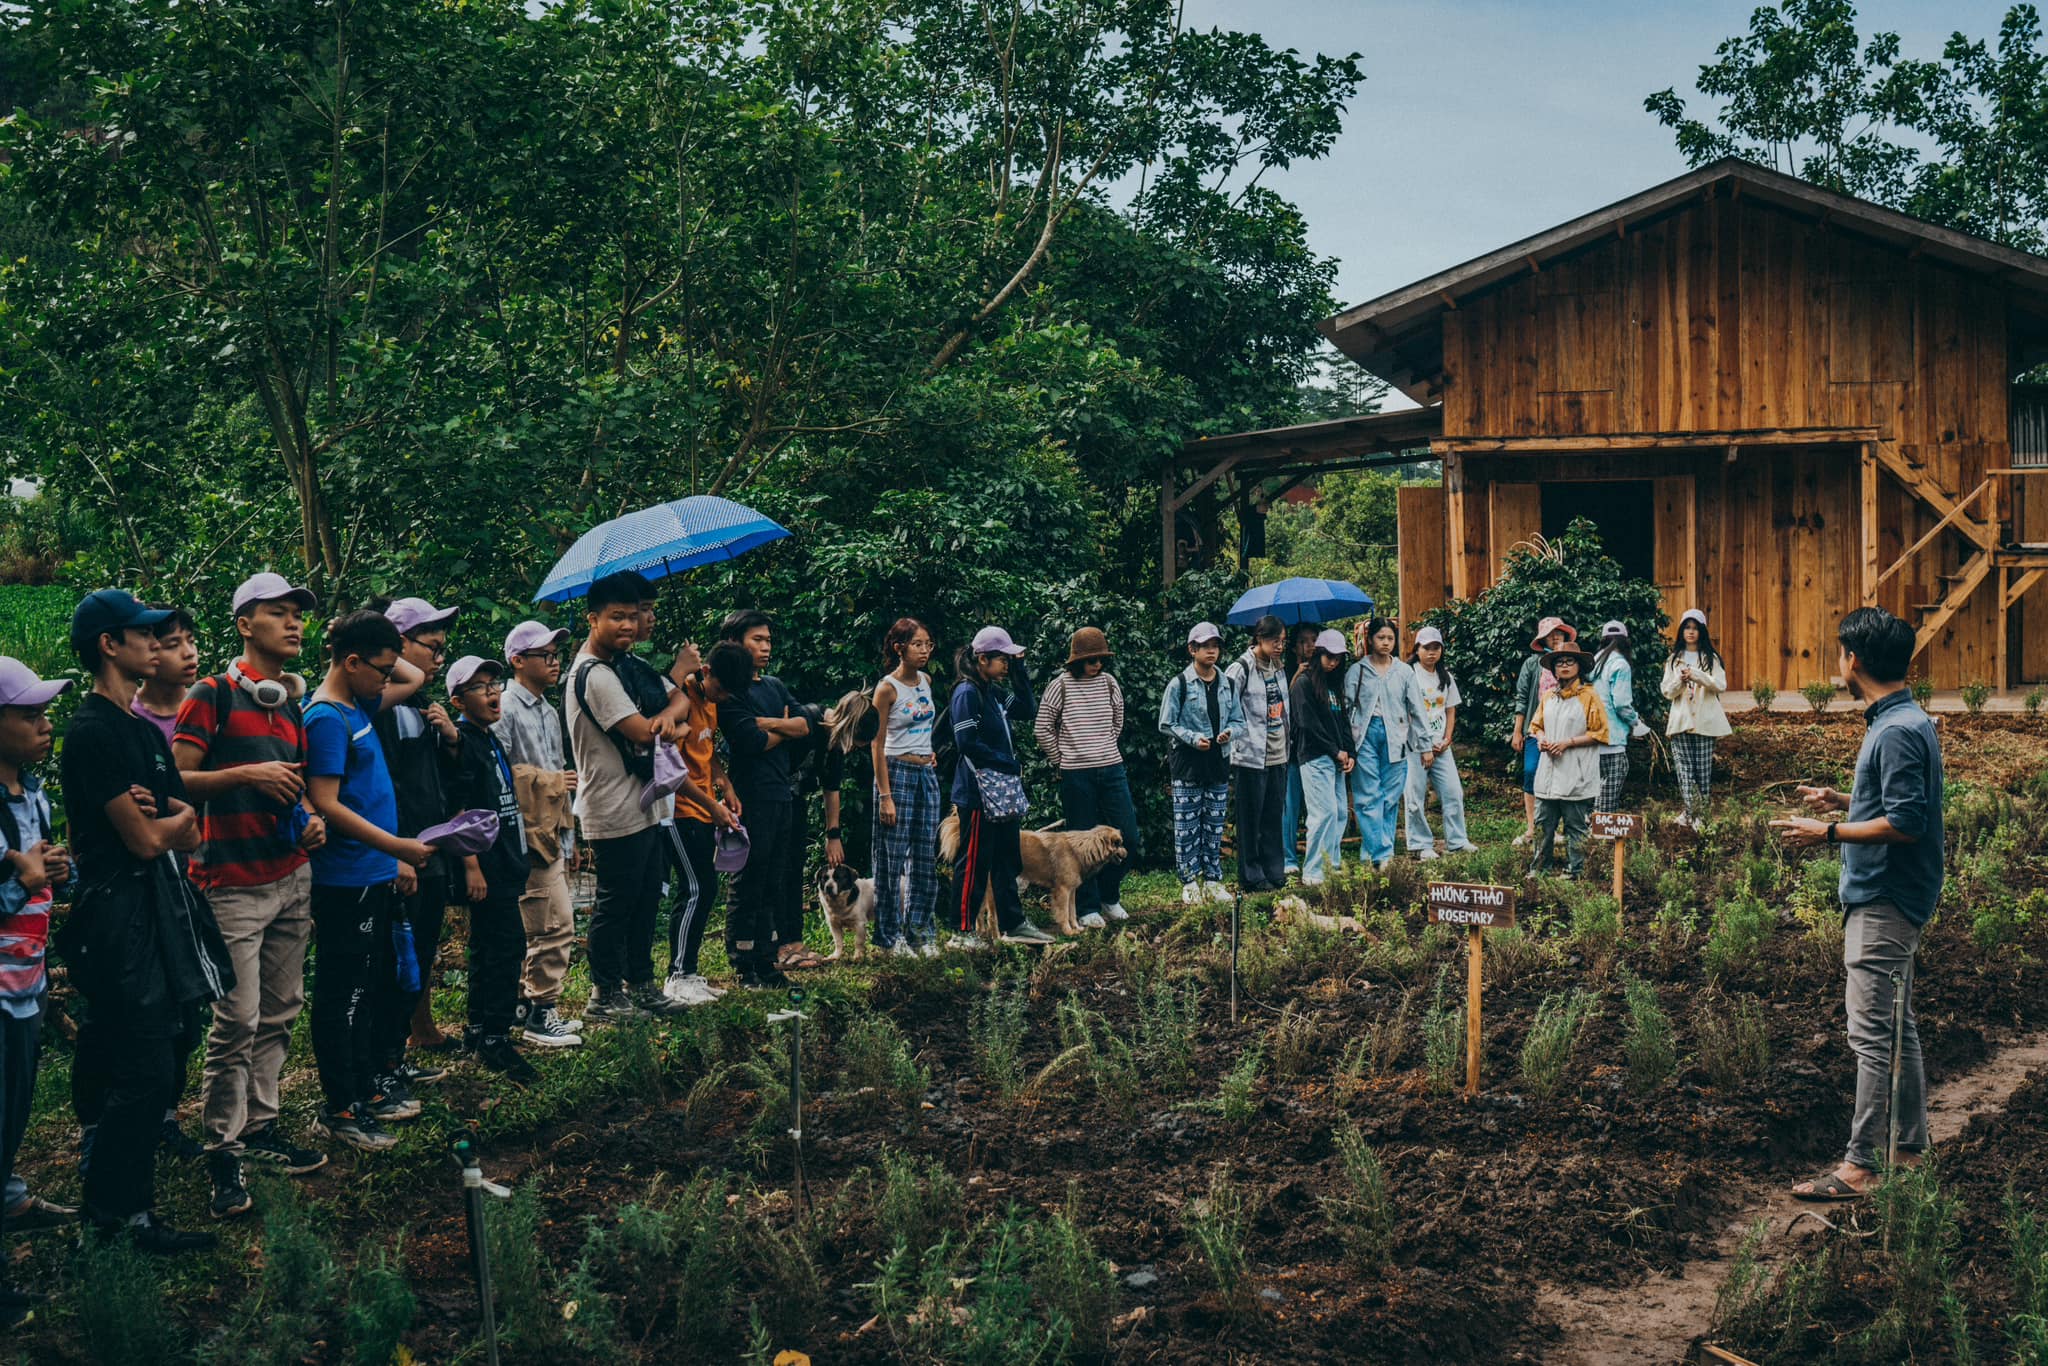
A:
1168	570
1475	940
1620	862
1478	907
2000	667
1618	826
1869	528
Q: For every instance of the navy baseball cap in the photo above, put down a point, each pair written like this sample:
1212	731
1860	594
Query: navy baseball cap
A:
109	610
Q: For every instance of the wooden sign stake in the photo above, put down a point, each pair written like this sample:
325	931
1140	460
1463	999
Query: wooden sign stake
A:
1478	907
1620	861
1619	826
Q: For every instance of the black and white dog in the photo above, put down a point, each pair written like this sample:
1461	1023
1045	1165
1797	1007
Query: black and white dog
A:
848	903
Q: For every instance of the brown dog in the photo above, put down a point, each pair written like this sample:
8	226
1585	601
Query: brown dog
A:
1057	860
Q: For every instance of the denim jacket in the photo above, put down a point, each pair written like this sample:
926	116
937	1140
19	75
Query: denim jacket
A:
1400	702
1248	741
1616	688
1184	710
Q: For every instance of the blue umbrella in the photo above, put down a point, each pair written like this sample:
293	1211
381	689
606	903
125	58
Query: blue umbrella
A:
1298	600
659	541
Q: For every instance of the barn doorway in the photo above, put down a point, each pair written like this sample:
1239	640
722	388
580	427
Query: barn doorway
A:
1625	510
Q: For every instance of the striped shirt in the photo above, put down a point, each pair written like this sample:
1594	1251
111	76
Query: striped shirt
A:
1079	720
239	840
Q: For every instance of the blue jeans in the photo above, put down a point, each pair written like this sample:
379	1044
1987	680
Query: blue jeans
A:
1290	820
1100	796
1322	793
1376	786
1450	793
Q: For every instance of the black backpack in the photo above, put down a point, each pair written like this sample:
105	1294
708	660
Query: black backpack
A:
639	762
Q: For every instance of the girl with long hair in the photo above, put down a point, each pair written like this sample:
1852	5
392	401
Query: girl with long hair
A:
1694	679
907	807
1613	678
1301	647
1431	764
1385	710
1321	740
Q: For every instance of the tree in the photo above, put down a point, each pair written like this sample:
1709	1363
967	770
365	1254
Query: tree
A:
1961	141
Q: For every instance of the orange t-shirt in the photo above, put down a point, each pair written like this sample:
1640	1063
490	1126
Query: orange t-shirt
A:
696	747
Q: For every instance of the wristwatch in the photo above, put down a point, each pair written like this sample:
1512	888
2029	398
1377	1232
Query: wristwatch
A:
1833	827
833	833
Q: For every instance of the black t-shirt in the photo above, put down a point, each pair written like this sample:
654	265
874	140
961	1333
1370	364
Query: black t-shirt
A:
483	781
758	771
106	751
1205	767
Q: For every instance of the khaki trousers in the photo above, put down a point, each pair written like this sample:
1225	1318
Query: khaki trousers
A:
266	929
550	932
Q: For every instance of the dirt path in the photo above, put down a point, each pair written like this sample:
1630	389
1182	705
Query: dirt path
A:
1654	1322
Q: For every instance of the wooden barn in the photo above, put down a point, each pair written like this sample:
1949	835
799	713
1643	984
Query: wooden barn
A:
1776	401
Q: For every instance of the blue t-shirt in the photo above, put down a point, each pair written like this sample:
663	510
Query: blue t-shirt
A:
1899	777
341	743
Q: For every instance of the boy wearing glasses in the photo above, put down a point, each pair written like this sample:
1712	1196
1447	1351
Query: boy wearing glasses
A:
530	728
418	738
361	875
481	779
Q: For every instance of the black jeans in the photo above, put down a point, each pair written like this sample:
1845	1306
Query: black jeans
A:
497	951
1100	796
689	852
20	1043
426	908
1261	854
125	1075
990	860
352	957
754	922
628	901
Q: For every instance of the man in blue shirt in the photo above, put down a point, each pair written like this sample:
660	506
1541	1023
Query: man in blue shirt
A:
1891	881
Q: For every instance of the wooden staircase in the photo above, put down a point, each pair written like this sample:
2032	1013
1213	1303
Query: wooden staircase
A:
1972	516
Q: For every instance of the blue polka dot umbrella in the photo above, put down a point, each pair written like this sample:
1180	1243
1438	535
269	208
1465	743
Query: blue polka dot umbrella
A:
659	541
1298	600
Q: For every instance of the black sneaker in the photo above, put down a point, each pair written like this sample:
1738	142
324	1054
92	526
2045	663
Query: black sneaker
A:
502	1056
230	1196
650	998
418	1074
355	1127
175	1142
391	1100
608	1005
150	1234
763	974
268	1145
522	1013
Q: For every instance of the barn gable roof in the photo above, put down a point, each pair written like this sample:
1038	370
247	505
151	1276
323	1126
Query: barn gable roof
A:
1399	337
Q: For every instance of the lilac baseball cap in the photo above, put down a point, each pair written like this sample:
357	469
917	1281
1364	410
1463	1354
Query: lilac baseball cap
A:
417	614
669	773
730	849
269	587
468	667
1203	631
994	640
19	686
530	635
465	833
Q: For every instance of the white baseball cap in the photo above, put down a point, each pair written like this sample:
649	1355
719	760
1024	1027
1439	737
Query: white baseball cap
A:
1428	635
417	614
468	667
1331	642
528	636
1203	631
994	640
1615	628
19	686
269	587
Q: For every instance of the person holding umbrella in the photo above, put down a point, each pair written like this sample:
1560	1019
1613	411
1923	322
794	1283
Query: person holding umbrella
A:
1258	754
1301	648
1322	745
1080	719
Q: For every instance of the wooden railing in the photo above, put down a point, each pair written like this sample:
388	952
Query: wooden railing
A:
1870	594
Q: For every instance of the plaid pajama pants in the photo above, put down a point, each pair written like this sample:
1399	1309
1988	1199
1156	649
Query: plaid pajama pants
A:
1693	756
906	886
1198	816
1613	774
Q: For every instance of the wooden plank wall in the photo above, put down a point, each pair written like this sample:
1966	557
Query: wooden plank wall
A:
1516	513
1420	522
1732	315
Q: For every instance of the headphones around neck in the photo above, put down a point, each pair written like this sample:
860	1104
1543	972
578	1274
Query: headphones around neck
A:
267	693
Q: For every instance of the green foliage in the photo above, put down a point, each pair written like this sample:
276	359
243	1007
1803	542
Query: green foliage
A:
1547	1052
130	1321
920	1203
1379	1047
1237	1097
878	1070
1648	1046
1487	638
1938	138
1596	928
1166	1033
1358	1209
1218	1223
1923	692
1076	1281
1764	694
2035	697
1443	1037
1919	1225
36	624
1975	694
380	1306
942	1308
1346	533
1295	1040
1734	1047
1818	694
1741	928
521	1273
997	1027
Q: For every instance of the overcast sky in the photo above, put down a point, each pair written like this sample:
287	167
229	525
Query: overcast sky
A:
1482	121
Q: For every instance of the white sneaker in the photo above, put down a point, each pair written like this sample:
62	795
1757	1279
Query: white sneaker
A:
901	949
1216	891
1115	911
697	980
928	949
1093	921
967	943
1524	840
1466	848
687	991
1191	894
1425	855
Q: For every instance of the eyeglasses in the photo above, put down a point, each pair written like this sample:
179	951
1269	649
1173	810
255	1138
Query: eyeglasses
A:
487	689
384	670
437	651
543	656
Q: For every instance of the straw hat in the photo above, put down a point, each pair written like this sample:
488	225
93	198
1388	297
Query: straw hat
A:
1571	652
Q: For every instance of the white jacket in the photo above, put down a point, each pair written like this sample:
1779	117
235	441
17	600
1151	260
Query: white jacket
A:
1696	705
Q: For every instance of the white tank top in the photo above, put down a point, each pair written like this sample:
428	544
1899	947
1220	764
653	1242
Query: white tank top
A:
910	719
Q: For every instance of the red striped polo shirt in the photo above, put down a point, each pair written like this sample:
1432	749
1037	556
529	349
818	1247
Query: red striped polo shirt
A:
238	832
